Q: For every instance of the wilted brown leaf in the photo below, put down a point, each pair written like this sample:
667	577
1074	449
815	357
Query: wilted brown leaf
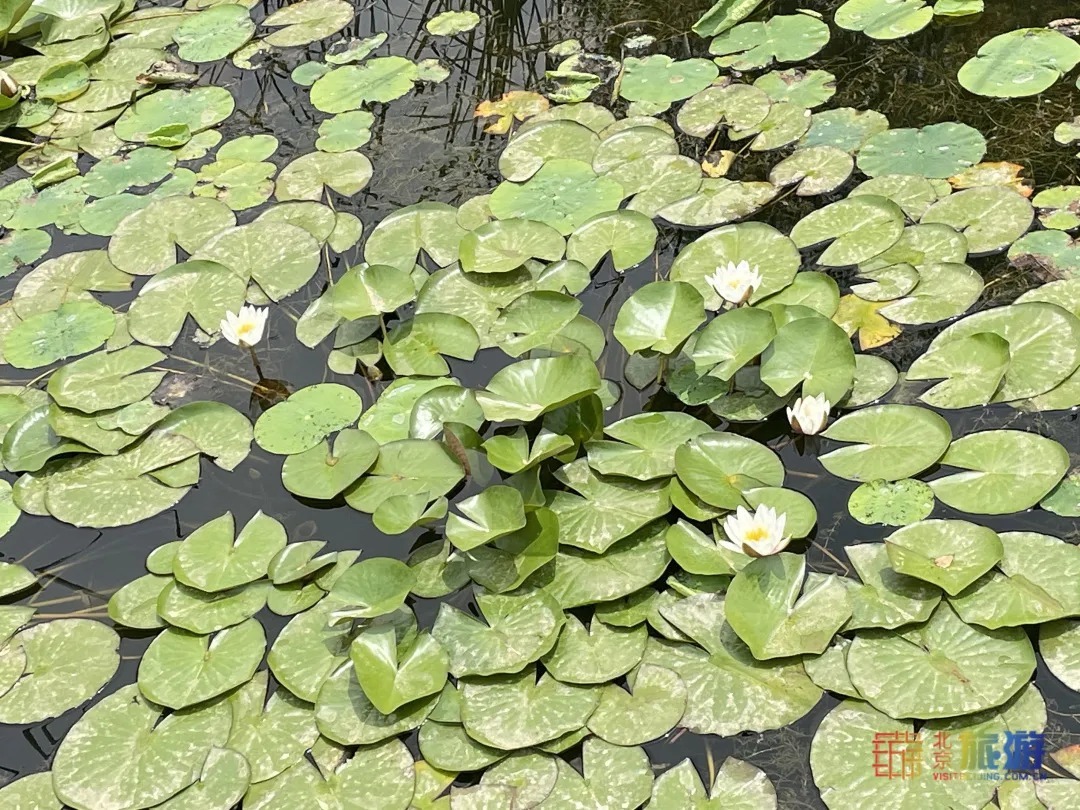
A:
519	104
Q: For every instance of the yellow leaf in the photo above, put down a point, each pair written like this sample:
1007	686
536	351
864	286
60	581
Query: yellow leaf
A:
993	174
717	164
856	315
519	104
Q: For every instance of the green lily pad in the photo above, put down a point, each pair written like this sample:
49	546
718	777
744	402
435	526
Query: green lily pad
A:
803	88
135	604
187	111
1006	471
401	236
373	587
893	442
274	736
991	217
949	553
322	473
307	21
724	14
34	792
811	352
530	388
1059	649
563	194
659	316
972	369
582	577
508	712
663	79
936	151
520	629
531	148
498	247
106	380
450	23
763	695
410	467
767	250
71	329
764	608
944	290
886	599
734	105
346	88
1053	253
211	560
1059	208
718	201
1019	63
946	658
145	241
214	33
884	19
645	446
66	662
308	650
655	705
891	503
307	417
205	290
614	777
1031	586
627	235
845	128
859	228
203	613
594	655
223	781
181	669
391	679
308	176
165	754
720	467
738	785
813	170
783	38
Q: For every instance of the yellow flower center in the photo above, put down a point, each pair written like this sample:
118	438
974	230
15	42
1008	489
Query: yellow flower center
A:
245	329
756	534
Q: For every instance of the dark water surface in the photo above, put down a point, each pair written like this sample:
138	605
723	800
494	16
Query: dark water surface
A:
428	147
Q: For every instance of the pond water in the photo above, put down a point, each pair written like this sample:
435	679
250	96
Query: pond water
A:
427	146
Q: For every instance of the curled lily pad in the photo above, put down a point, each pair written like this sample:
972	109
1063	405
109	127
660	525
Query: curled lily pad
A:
391	679
529	388
813	353
764	608
886	599
949	553
211	560
452	22
814	170
721	467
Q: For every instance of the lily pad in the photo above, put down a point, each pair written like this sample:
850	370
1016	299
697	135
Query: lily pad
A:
307	21
307	417
738	785
346	88
1019	63
891	503
936	151
991	217
949	553
884	19
764	608
720	467
783	38
324	473
946	658
70	330
1006	471
66	662
893	442
663	79
859	228
214	33
181	669
886	599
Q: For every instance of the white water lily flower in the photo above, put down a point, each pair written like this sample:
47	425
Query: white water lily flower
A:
735	283
246	327
759	533
808	415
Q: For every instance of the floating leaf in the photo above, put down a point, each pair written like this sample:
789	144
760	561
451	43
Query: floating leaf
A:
211	560
936	151
213	34
180	669
783	38
307	21
382	79
862	227
949	553
450	23
737	784
306	418
71	329
663	79
764	608
1007	471
991	218
886	599
1020	63
891	503
884	19
946	658
323	473
892	442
